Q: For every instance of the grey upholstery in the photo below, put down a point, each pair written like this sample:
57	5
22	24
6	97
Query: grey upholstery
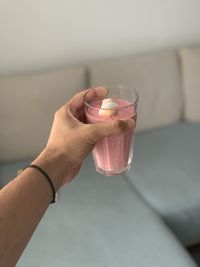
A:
8	171
155	76
190	66
27	107
167	174
100	221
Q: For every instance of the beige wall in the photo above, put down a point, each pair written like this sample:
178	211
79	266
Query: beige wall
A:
40	34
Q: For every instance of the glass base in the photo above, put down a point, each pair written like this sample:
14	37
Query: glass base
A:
112	173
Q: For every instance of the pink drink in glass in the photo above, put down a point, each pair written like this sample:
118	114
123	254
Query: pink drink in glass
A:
113	154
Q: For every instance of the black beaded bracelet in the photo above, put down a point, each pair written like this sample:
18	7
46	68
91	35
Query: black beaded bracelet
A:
47	178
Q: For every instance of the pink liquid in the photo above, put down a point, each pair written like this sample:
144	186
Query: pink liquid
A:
113	154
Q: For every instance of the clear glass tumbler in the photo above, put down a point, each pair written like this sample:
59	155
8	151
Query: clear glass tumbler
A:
113	154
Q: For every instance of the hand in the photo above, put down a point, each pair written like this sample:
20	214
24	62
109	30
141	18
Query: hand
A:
74	139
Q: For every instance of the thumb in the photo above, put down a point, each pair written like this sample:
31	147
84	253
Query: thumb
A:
100	130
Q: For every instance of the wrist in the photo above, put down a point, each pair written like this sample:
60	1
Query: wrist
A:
54	164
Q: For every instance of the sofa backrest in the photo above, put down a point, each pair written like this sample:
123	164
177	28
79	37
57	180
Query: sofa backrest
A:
27	106
28	102
156	78
190	68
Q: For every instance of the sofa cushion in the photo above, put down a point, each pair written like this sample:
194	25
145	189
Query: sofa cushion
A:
27	106
100	221
190	62
166	172
8	171
156	78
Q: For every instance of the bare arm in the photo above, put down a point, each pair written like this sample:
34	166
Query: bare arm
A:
24	200
22	204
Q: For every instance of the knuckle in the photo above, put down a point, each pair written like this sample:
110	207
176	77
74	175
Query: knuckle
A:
57	113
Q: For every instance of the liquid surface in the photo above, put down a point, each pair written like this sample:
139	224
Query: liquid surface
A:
124	110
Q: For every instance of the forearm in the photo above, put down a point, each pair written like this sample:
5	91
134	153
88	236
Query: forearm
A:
23	203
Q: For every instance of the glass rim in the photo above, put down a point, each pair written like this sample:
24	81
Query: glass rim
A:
115	108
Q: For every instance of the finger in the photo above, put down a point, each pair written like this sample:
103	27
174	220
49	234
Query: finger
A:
100	130
96	93
77	102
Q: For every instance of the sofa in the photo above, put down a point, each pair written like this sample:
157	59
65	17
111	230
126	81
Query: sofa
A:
148	216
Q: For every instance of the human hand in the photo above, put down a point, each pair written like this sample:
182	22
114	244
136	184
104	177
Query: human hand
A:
74	139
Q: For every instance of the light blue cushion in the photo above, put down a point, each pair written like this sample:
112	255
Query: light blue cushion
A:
166	172
100	221
8	171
